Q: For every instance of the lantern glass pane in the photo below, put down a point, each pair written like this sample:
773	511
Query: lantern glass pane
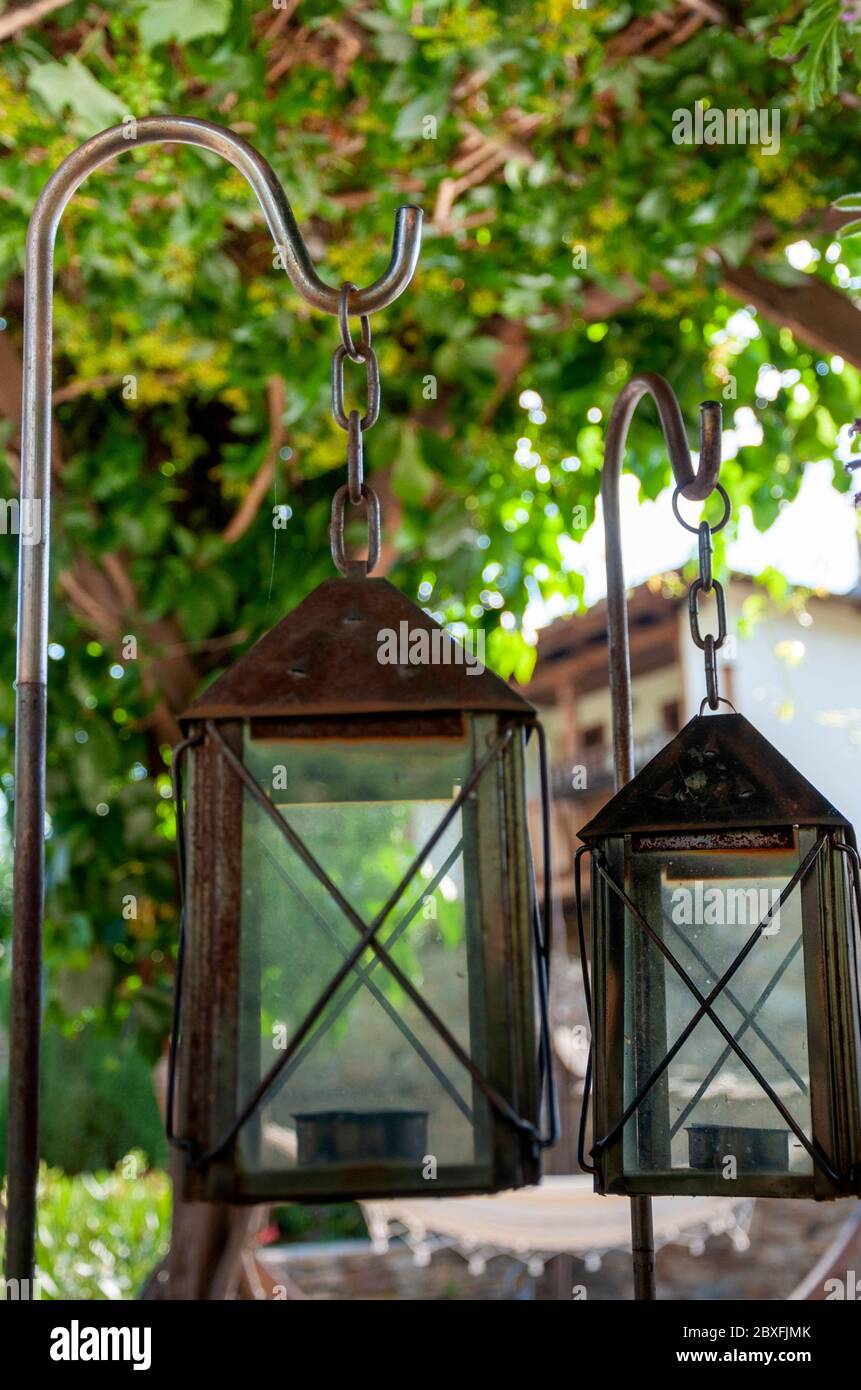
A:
704	896
372	1083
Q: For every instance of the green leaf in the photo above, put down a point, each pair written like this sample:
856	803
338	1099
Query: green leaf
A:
817	39
735	244
198	610
852	229
392	40
182	20
412	480
70	85
850	202
431	102
448	528
509	655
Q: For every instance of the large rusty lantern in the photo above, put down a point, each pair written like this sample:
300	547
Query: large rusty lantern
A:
725	989
363	984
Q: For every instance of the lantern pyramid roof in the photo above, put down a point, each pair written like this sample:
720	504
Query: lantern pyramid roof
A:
718	773
354	647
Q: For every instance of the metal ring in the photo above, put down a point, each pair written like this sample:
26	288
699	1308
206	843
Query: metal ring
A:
727	509
355	459
720	636
355	354
372	414
355	569
722	700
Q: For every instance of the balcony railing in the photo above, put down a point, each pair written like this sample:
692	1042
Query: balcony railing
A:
591	770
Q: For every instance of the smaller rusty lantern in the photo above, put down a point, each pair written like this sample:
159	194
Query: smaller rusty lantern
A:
362	945
725	992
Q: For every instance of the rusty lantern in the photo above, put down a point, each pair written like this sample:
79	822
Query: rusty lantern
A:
724	996
361	998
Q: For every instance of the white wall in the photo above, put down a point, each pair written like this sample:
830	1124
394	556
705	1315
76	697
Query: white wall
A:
649	694
810	711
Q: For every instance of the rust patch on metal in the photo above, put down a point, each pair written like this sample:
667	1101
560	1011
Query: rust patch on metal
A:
780	837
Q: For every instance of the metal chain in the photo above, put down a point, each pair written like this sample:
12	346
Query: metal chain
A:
356	491
705	583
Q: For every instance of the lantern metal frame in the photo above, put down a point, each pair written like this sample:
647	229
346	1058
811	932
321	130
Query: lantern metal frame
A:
775	808
33	574
695	485
316	676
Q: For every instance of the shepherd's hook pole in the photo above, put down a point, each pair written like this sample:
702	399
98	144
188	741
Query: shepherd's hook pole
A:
695	485
33	577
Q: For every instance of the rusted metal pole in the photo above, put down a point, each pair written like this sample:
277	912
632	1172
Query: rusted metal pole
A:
22	1159
33	575
696	485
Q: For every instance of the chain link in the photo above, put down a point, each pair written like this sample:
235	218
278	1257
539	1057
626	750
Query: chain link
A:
712	692
355	459
705	583
727	508
372	370
698	587
355	569
705	548
355	490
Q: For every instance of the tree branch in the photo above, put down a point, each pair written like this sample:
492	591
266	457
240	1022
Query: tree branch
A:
815	312
253	499
15	20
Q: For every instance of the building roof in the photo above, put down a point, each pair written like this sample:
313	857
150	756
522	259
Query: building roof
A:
574	648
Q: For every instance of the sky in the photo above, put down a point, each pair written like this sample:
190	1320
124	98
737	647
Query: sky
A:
812	542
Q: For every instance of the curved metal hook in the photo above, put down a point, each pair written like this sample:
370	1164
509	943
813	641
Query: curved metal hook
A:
35	430
184	130
33	571
696	485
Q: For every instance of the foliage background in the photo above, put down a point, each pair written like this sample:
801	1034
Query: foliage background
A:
552	136
100	1234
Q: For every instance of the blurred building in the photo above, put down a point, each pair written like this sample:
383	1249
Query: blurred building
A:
791	665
